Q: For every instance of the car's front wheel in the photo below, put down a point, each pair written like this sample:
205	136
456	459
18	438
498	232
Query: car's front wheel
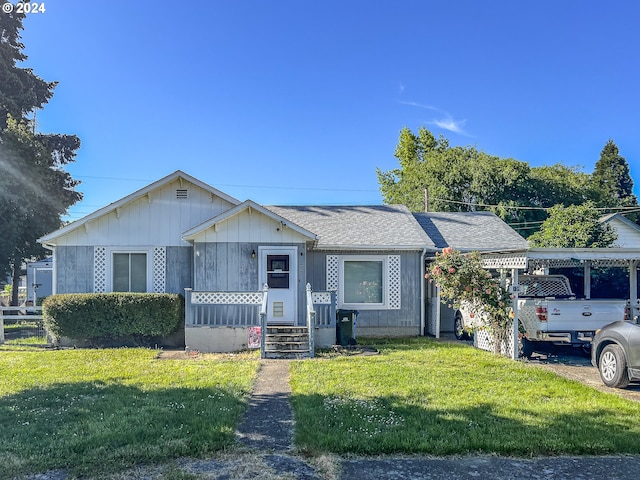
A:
613	367
458	327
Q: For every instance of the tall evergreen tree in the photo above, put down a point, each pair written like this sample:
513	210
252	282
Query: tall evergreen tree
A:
35	191
612	181
21	91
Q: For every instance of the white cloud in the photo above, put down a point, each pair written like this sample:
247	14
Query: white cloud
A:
444	119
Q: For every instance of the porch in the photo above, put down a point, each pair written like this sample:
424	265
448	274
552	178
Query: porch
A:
233	321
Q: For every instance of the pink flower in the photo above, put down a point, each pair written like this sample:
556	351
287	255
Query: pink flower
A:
452	270
447	251
487	291
467	288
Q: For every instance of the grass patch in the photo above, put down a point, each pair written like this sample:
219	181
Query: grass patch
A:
102	411
424	396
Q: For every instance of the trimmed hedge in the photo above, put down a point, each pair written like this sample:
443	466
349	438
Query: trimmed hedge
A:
107	317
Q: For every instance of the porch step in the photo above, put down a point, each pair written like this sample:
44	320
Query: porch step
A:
286	342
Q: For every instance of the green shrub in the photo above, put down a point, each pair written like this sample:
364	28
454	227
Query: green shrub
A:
103	318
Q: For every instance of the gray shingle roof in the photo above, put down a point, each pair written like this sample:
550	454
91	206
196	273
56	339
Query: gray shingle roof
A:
467	231
358	227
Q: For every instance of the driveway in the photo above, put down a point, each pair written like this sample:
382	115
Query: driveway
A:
573	364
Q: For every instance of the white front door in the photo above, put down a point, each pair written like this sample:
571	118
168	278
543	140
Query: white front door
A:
279	270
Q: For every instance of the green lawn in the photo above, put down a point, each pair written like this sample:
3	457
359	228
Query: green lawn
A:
423	396
101	411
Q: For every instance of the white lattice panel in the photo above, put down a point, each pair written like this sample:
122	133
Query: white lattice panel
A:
321	298
159	269
226	298
516	261
393	265
333	268
483	339
99	269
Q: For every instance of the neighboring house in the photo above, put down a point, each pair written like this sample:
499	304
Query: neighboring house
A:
464	231
39	280
628	231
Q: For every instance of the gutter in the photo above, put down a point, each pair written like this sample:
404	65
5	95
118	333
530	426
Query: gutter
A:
365	248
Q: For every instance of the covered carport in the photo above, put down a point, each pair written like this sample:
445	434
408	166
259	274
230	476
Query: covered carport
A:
540	260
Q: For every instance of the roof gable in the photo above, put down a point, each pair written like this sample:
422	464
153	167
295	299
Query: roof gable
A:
248	205
177	176
628	232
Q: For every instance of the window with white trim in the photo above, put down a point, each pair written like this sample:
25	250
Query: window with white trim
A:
363	282
129	272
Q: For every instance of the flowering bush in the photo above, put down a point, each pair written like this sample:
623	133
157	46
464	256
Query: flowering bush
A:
463	280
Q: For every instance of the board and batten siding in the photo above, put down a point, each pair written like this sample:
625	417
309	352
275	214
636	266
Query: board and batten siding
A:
179	269
73	269
78	271
158	218
403	320
229	267
250	226
628	237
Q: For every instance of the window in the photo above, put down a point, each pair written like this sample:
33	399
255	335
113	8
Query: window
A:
363	282
129	272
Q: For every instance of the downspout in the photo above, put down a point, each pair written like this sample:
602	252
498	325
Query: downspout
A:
423	307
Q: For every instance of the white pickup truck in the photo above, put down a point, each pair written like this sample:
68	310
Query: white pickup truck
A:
548	311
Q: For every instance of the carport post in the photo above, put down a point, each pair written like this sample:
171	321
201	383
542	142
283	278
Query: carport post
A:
514	283
633	288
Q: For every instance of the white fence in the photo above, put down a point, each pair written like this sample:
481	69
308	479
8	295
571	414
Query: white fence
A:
24	319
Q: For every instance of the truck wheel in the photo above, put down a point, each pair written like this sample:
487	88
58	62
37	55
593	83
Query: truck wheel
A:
458	327
526	347
613	367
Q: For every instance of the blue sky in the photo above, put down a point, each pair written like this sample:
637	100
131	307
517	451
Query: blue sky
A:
298	102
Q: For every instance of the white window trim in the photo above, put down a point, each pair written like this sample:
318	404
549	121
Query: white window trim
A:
385	282
146	250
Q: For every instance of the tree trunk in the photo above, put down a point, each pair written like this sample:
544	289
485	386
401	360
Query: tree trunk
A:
15	278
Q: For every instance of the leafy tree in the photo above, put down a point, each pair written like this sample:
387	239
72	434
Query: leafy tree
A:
575	226
466	179
35	191
612	181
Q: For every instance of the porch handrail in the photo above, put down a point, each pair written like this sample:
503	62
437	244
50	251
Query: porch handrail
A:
311	321
263	320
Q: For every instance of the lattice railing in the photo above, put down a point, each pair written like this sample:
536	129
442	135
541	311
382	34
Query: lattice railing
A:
324	304
223	309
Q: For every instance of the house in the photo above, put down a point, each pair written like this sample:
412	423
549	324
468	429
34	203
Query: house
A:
628	231
180	235
39	280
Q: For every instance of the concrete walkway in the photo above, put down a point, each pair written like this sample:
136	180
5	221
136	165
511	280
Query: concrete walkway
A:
268	423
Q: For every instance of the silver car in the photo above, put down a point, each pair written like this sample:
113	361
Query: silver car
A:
615	352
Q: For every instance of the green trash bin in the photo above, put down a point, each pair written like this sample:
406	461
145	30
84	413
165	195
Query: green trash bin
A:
346	327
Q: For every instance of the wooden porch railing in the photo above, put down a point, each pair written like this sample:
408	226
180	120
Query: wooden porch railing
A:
249	309
222	309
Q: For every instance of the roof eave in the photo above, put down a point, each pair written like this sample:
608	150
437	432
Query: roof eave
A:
371	247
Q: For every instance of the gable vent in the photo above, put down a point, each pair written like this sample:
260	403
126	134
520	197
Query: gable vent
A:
182	193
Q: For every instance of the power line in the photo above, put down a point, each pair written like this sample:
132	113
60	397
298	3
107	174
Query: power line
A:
271	187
